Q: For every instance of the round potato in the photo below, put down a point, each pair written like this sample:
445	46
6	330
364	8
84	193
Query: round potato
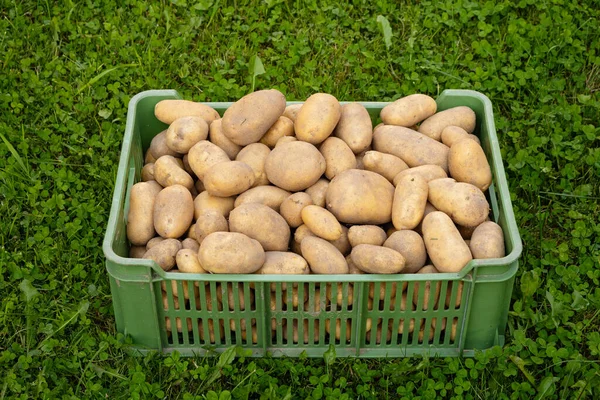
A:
321	222
204	201
204	155
137	251
168	111
249	118
451	134
360	197
317	118
187	261
408	111
410	198
385	165
318	192
262	223
255	155
167	172
291	208
142	200
462	116
158	147
230	253
281	128
153	242
284	263
210	221
270	196
323	257
228	178
220	140
446	248
410	244
463	202
164	253
185	132
366	234
427	172
467	163
355	127
301	232
487	241
291	111
428	269
338	156
295	166
377	260
148	172
173	211
190	244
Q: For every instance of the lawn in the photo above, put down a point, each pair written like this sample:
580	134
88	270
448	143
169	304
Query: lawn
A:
68	70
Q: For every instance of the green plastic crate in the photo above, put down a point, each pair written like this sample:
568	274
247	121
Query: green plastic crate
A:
456	324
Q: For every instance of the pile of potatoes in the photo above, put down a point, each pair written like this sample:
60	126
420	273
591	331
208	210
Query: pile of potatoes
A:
313	188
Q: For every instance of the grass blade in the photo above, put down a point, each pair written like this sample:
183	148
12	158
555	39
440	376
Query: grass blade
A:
15	154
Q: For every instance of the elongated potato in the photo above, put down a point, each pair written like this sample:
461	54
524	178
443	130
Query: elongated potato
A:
318	192
173	211
366	234
451	134
323	257
148	172
412	147
291	111
463	202
270	196
321	222
338	156
281	128
262	223
230	253
185	132
487	241
427	172
317	118
291	208
210	221
204	155
429	208
385	165
377	260
140	223
164	253
204	201
408	111
158	147
428	269
410	198
255	155
467	163
168	111
295	166
462	116
187	261
249	118
446	248
228	178
355	127
284	263
167	172
220	140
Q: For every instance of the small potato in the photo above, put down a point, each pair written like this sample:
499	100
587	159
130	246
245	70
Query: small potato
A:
428	269
188	168
212	331
451	134
339	293
410	198
148	172
231	253
403	302
427	172
410	244
295	166
296	332
338	329
210	221
446	248
467	163
286	139
204	201
167	172
142	202
235	290
255	155
355	127
462	116
168	111
228	178
295	298
270	196
323	257
190	244
281	128
321	222
158	147
459	292
187	261
342	243
291	208
149	158
291	111
465	203
191	234
338	156
284	263
164	253
178	323
301	232
385	165
173	211
487	241
204	155
408	111
249	118
366	234
318	192
185	132
377	260
317	118
153	242
384	288
137	251
352	268
166	301
219	139
262	223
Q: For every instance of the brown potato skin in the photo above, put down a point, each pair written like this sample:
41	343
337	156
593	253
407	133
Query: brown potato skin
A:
220	140
291	111
291	208
366	234
463	202
467	163
164	253
338	156
255	155
318	192
209	221
185	132
355	127
342	243
317	118
322	256
281	128
228	178
204	155
428	269
187	261
137	251
410	198
451	134
204	201
173	211
262	223
284	263
385	165
231	253
148	172
446	248
153	242
408	111
294	166
158	147
487	241
270	196
168	111
140	223
428	172
286	139
377	260
410	244
167	172
321	222
461	116
190	243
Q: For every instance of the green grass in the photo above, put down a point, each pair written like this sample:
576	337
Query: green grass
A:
68	70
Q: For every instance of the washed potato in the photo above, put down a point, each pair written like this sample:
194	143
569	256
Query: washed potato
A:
187	261
355	127
317	118
410	198
428	269
291	111
451	134
338	156
140	223
148	172
255	155
291	208
427	172
204	155
249	118
465	203
158	147
408	111
366	234
210	221
220	140
410	244
295	166
168	111
190	244
385	165
446	248
262	223
173	211
377	260
284	263
321	222
282	127
462	116
318	192
137	251
467	163
167	172
204	201
487	241
231	253
270	196
228	178
185	132
164	253
323	257
154	241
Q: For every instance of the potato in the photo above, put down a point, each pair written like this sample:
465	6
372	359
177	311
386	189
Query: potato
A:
262	223
383	289
451	134
167	172
235	290
282	127
164	253
190	244
323	257
412	147
459	292
243	331
291	208
296	333
446	248
198	185
137	251
338	329
295	298
465	203
403	302
301	232
230	253
427	172
187	261
148	172
142	202
385	165
428	209
284	263
339	294
487	241
352	268
153	242
402	328
149	158
178	323
270	196
228	178
185	132
175	287
410	244
321	222
317	118
431	329
210	221
467	163
360	164
410	198
204	201
158	147
286	139
338	156
173	211
249	118
408	111
291	111
366	234
342	243
377	260
166	301
168	111
204	155
219	139
318	192
360	197
318	303
295	166
255	155
212	332
428	269
462	116
355	127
